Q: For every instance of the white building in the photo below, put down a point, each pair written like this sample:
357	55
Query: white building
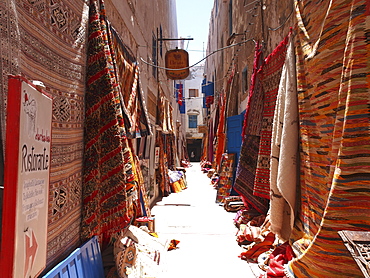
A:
193	112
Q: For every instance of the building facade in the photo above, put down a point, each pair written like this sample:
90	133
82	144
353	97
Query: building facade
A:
193	117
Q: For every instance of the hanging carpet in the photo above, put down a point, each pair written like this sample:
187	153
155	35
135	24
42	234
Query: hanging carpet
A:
226	177
45	41
127	72
110	176
245	173
334	98
270	73
284	151
220	133
252	176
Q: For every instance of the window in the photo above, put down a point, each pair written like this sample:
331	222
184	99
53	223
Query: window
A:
230	17
245	80
161	42
193	92
193	121
154	55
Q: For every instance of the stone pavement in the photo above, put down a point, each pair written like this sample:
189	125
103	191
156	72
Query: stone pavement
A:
206	232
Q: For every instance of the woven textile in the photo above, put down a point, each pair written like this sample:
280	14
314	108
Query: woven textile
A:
284	150
226	177
211	137
44	40
110	176
9	55
220	133
136	115
270	73
245	173
334	99
162	177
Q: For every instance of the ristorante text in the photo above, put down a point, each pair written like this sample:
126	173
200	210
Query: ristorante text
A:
33	161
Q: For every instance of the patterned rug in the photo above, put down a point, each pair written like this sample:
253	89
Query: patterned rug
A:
9	55
162	178
136	115
334	99
270	73
245	173
226	179
44	40
284	151
110	173
220	133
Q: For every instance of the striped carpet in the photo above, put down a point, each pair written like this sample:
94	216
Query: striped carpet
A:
45	41
334	109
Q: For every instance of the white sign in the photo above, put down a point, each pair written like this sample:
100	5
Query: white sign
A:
33	182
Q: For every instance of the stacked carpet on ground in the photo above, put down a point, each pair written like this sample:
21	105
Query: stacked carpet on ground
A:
332	45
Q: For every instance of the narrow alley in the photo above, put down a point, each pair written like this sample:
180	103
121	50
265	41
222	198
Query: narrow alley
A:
206	232
184	138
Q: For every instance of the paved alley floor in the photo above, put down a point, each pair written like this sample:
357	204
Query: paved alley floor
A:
206	232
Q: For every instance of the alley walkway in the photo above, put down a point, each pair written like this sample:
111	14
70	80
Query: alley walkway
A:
205	230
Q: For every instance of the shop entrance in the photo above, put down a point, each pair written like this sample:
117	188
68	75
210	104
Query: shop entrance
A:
194	147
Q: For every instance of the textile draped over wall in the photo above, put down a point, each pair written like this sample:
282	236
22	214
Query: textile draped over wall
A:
127	72
220	133
44	40
252	176
9	55
334	100
245	173
284	151
165	114
112	183
270	75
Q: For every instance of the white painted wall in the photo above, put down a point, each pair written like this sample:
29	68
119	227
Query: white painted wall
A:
194	106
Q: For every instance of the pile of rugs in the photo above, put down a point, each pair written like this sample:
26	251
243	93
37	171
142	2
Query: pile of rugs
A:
137	253
261	245
177	180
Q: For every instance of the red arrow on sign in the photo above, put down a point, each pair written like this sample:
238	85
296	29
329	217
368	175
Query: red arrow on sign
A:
30	253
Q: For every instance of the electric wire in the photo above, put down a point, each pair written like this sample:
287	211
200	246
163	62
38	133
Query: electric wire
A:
217	50
285	21
259	2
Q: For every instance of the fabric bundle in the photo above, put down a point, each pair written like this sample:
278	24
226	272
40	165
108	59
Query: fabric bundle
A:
138	254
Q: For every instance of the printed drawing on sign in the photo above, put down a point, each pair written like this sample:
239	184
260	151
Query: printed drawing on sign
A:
30	108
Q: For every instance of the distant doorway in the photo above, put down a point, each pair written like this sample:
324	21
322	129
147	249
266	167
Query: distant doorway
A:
194	147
